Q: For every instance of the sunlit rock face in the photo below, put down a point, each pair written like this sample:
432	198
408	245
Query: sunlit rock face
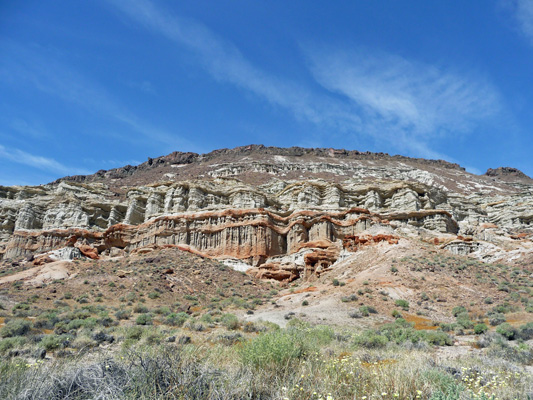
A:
258	204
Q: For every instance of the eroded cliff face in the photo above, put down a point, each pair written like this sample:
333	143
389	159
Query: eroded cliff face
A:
263	204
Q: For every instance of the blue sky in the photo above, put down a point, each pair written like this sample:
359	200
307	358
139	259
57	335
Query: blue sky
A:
99	84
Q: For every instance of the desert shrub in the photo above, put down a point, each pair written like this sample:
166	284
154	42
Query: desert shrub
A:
402	303
507	331
83	299
355	314
134	332
207	318
525	332
347	299
46	321
400	331
10	343
447	327
502	308
177	319
305	303
193	325
144	319
500	348
463	319
372	310
437	338
230	321
424	296
503	287
496	319
396	314
274	350
371	340
140	309
51	342
336	282
320	335
251	327
480	328
15	327
459	310
365	312
229	339
123	314
163	310
153	295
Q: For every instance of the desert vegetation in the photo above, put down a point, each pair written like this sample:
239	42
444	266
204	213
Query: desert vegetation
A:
119	330
227	359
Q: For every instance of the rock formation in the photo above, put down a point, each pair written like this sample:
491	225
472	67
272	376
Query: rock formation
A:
286	211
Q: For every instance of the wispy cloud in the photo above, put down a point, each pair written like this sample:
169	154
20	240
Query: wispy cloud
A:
383	96
523	10
408	102
225	62
43	163
41	70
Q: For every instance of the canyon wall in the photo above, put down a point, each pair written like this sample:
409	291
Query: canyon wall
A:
260	205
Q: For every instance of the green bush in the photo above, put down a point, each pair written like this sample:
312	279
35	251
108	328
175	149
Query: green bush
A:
123	314
230	321
15	327
370	340
134	332
507	331
364	311
437	338
480	328
275	350
140	309
400	331
403	304
525	332
51	342
496	319
10	343
319	336
144	319
459	310
448	327
347	299
177	319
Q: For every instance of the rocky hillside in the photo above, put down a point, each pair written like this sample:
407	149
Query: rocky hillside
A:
282	213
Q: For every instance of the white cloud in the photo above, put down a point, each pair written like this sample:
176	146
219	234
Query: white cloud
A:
524	14
408	102
226	63
382	96
43	163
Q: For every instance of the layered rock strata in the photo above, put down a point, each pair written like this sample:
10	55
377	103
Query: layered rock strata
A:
253	235
257	204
